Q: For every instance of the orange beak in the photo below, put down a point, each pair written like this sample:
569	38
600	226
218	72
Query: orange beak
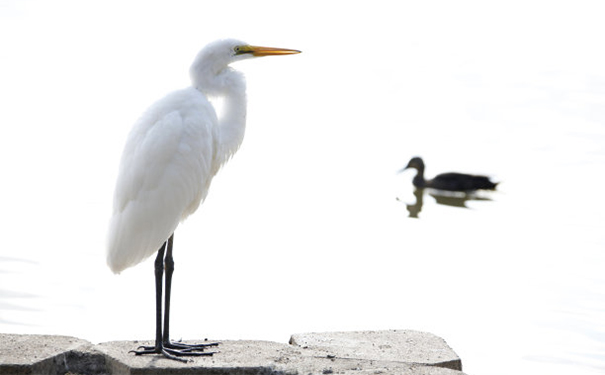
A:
270	51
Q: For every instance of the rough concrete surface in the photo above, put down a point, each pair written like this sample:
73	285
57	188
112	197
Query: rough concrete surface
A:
392	345
44	354
360	353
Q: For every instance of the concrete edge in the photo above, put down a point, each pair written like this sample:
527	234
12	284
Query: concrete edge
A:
68	355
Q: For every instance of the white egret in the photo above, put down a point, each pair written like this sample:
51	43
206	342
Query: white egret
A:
168	162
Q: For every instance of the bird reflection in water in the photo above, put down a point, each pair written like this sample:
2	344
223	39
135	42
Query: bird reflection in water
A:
451	189
448	198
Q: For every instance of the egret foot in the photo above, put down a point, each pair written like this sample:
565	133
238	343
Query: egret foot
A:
178	345
175	350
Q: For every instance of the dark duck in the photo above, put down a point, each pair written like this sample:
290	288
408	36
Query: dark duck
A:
451	181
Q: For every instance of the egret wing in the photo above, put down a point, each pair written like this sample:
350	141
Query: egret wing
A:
165	172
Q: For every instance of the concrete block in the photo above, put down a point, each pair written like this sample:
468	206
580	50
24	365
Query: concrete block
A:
348	353
44	354
233	357
255	357
406	346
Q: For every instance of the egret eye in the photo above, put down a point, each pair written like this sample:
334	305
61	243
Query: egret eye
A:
241	50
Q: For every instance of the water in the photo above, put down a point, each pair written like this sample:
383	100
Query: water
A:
307	228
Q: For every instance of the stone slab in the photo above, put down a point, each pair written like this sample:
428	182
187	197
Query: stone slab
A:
45	354
315	353
256	357
233	357
407	346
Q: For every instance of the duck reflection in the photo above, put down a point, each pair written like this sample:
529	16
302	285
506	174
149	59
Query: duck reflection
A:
448	198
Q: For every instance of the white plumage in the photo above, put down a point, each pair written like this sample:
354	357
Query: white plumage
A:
173	152
166	169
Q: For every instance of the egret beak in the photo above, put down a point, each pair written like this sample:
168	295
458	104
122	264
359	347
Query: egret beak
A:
270	51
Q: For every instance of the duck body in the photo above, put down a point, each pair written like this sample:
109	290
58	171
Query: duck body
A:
451	181
460	182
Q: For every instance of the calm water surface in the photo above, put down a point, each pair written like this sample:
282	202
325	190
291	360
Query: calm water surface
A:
513	277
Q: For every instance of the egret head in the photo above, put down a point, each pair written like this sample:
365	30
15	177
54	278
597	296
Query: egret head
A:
216	56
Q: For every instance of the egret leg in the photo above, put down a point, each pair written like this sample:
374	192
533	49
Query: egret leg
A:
163	345
159	272
169	268
179	347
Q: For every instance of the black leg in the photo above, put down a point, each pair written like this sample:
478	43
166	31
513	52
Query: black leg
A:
179	348
159	272
169	267
163	345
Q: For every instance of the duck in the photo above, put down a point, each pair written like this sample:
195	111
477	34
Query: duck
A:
451	181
